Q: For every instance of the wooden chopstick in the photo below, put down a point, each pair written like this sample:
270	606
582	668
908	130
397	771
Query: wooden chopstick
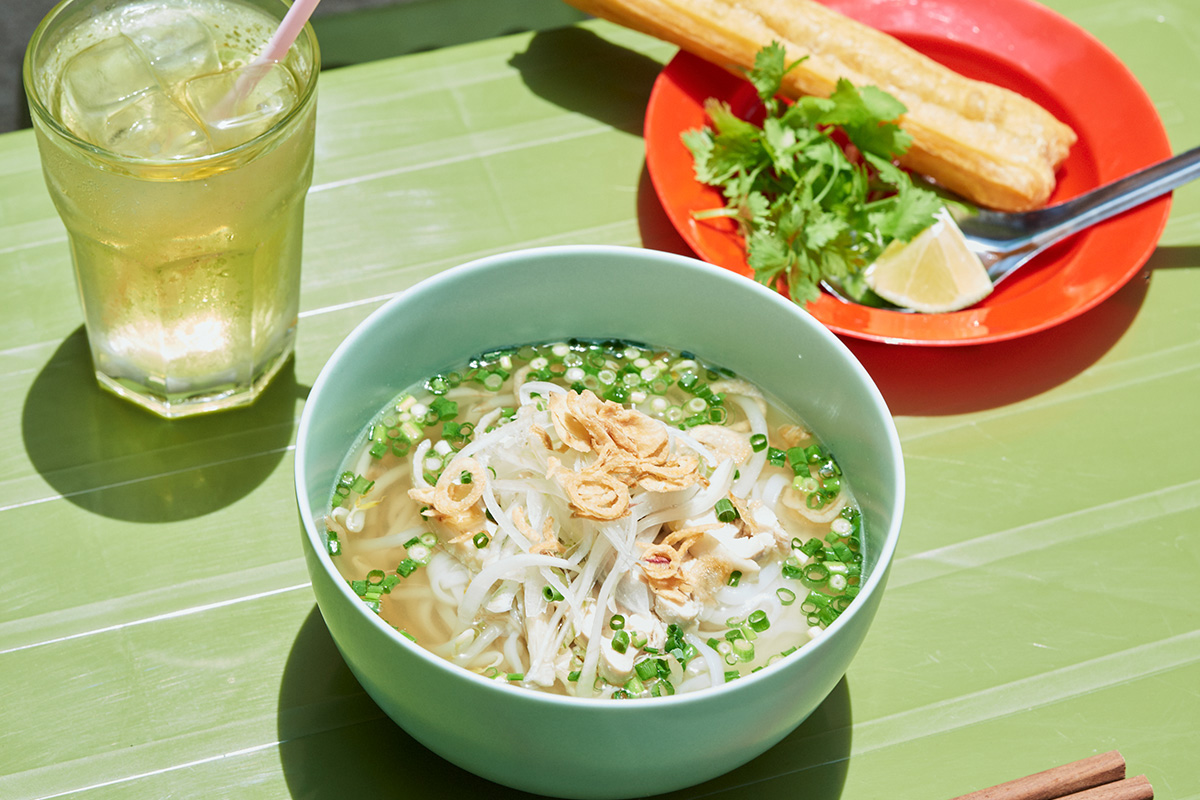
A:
1099	777
1136	788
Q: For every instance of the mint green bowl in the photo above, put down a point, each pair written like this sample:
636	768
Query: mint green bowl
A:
562	746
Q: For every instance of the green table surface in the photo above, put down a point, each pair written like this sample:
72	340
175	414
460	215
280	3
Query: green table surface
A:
158	637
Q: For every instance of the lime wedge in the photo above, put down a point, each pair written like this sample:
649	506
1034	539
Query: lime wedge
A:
934	273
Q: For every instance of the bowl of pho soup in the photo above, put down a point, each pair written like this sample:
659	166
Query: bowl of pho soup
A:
562	503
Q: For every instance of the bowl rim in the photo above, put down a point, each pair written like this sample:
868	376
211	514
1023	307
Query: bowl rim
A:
872	586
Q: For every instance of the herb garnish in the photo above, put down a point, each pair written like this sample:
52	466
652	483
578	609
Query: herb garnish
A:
808	210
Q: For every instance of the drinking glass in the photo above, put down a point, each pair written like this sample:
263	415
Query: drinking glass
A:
183	203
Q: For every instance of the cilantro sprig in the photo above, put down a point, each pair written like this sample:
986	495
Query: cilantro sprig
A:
809	211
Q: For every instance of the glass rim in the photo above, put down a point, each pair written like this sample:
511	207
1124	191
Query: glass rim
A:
39	110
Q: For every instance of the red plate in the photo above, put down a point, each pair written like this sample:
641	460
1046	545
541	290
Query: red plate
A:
1014	43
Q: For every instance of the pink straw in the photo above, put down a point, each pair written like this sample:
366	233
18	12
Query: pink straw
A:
288	30
277	47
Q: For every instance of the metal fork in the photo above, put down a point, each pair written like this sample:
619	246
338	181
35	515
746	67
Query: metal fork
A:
1005	241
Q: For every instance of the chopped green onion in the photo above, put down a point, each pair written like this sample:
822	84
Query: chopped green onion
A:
617	622
758	442
620	641
734	577
725	510
743	649
515	676
662	688
407	567
411	432
786	596
684	654
573	675
481	540
776	457
816	573
675	638
333	546
617	394
815	601
812	547
758	621
551	594
806	484
646	669
638	639
443	409
732	675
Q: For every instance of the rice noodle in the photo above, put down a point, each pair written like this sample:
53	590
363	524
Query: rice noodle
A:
758	425
565	523
716	667
494	572
391	540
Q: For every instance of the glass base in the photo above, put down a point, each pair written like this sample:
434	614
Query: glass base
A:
210	399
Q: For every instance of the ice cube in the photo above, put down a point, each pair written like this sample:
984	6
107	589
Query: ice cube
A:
177	45
99	81
273	94
153	126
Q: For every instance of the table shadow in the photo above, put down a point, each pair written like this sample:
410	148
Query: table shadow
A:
335	742
935	381
112	458
558	62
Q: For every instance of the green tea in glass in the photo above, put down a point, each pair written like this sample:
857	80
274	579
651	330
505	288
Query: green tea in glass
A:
179	165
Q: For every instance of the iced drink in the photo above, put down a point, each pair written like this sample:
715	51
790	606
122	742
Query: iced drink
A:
183	203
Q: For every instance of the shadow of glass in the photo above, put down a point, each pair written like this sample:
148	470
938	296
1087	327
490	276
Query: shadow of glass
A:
335	742
112	458
558	62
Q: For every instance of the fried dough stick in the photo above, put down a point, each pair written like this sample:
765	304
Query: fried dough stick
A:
986	143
